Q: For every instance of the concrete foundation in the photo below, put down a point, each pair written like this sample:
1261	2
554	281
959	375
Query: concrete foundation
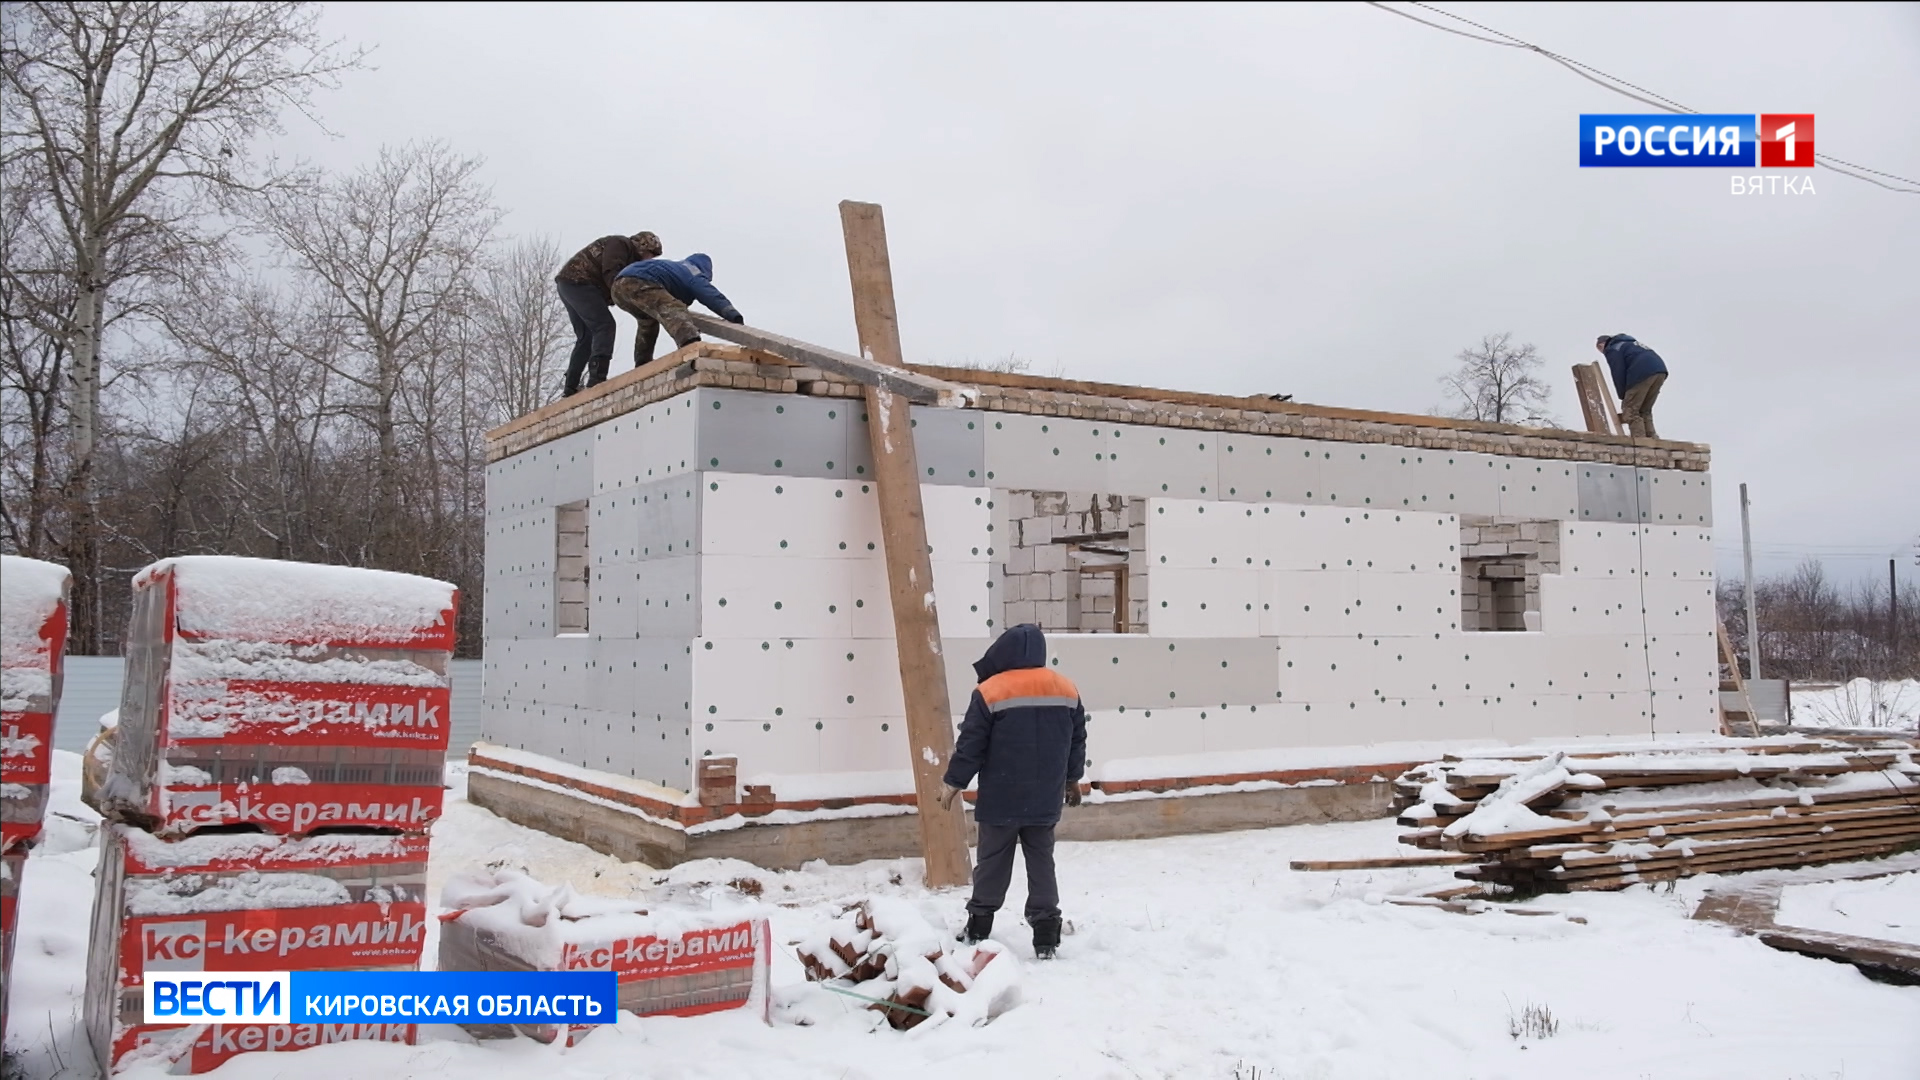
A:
627	835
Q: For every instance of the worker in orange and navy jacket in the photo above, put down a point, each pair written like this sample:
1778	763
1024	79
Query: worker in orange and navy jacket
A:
1025	737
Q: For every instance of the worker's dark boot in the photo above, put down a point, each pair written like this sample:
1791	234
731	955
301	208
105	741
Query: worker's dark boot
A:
1046	937
978	928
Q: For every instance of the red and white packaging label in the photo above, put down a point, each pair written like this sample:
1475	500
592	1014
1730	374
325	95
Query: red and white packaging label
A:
299	808
681	969
275	939
191	1051
259	712
26	747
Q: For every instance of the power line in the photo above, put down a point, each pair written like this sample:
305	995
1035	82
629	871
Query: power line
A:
1626	89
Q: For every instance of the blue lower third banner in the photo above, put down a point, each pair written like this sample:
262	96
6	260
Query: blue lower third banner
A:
456	997
425	997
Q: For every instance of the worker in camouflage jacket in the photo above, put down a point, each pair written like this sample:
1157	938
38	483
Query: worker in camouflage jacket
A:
585	284
1638	374
1025	737
656	293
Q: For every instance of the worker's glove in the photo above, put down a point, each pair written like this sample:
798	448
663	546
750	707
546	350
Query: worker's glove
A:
733	315
1072	793
948	796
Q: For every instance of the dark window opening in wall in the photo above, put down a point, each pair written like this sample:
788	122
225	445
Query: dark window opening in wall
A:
571	568
1076	562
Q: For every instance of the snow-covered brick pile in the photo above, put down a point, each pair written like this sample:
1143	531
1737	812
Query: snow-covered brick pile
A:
284	696
669	960
244	902
33	641
884	950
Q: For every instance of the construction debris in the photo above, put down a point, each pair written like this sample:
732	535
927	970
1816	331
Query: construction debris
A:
884	952
1608	819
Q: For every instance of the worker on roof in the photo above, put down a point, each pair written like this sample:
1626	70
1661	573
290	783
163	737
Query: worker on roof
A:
1638	374
1025	737
656	293
585	283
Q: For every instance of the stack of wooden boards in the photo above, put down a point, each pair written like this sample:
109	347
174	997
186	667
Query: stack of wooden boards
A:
1610	818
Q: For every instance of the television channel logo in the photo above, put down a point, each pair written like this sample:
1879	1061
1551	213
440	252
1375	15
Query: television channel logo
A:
217	997
1696	140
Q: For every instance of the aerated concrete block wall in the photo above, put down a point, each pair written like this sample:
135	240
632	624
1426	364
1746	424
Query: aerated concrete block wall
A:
1284	592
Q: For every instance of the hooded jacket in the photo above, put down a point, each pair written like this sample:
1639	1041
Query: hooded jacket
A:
1631	363
600	262
687	279
1025	734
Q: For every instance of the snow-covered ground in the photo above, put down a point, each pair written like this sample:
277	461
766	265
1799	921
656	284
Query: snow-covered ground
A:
1887	908
1861	703
1190	957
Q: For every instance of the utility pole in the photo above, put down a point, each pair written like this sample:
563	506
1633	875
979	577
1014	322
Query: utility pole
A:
1893	618
1753	625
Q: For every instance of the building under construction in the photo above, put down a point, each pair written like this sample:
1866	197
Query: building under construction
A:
1270	608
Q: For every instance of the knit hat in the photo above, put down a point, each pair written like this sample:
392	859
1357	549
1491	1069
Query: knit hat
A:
647	244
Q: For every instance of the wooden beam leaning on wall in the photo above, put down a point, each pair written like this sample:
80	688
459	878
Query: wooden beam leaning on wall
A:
903	531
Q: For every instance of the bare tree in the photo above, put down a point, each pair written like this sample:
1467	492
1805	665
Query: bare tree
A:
523	328
396	247
33	367
1812	628
127	116
1498	382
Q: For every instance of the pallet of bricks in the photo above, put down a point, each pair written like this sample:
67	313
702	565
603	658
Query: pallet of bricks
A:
669	960
1609	818
33	642
279	759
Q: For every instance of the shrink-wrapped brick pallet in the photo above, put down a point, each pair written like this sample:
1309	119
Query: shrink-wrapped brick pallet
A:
286	697
279	757
244	902
33	642
669	962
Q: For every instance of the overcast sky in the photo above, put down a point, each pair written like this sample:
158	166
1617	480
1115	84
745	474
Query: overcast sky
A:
1328	201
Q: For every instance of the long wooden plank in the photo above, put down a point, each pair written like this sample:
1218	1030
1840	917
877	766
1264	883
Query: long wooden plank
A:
1451	858
1692	847
1605	379
1774	861
1015	381
1866	952
1651	774
1787	849
875	372
1840	853
903	532
1733	821
1593	406
1739	682
1812	797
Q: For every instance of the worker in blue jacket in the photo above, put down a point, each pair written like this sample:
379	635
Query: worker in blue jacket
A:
656	293
1025	737
1638	374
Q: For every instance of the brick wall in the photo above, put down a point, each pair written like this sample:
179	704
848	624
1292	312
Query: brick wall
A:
1061	548
1501	560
